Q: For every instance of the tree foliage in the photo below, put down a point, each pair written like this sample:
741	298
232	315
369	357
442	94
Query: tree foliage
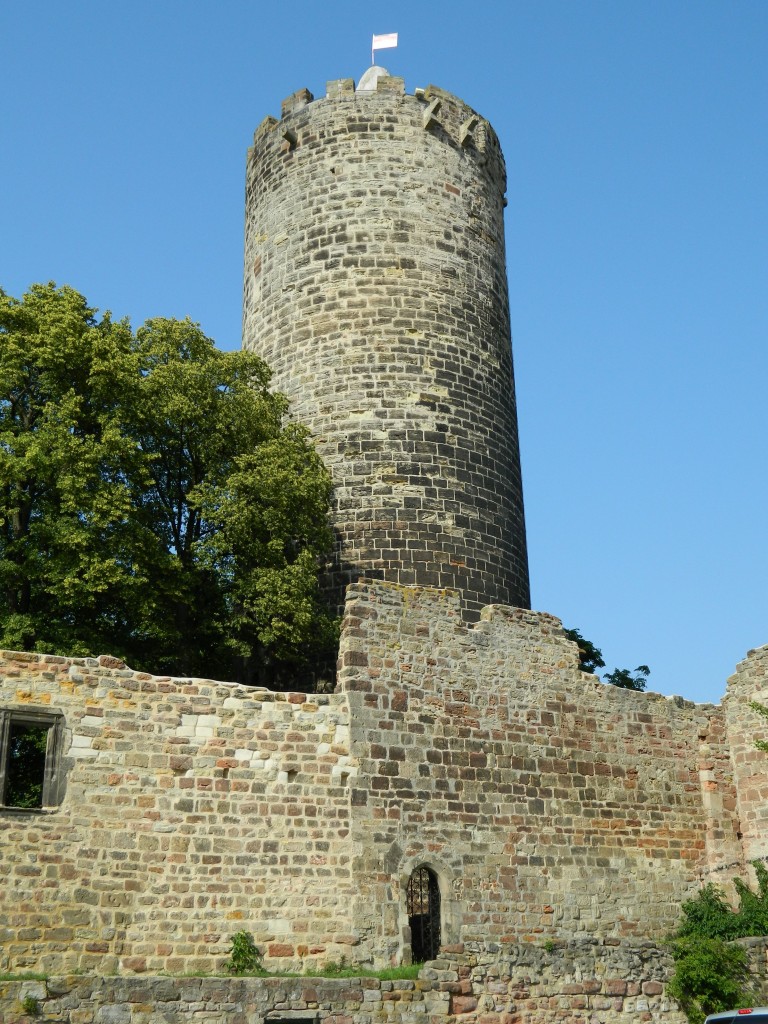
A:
591	659
709	913
25	766
152	501
711	974
626	680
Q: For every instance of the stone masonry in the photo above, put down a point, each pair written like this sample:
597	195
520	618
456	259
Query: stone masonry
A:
375	288
554	824
549	804
174	792
550	807
568	984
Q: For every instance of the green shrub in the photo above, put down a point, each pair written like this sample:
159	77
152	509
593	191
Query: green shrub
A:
244	957
30	1006
710	975
709	914
753	906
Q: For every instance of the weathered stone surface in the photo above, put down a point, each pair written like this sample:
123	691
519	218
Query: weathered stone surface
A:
192	810
749	683
517	985
375	287
549	806
563	820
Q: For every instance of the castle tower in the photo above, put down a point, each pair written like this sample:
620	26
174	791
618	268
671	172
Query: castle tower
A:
375	287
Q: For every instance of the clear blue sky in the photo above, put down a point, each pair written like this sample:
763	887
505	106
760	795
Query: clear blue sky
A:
636	142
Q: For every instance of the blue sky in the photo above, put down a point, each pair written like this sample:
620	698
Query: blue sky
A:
637	231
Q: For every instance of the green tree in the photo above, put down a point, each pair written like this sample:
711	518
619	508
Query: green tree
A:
27	745
239	504
153	502
590	657
626	680
67	471
711	974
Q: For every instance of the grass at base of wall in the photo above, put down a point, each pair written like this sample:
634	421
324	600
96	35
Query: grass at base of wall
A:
385	974
404	972
26	976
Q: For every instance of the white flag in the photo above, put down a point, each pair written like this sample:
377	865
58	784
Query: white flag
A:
385	42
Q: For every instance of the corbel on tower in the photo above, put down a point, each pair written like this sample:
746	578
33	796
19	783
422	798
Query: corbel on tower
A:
467	130
429	117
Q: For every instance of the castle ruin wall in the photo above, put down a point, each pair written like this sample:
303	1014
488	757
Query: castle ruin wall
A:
549	806
749	684
567	983
189	810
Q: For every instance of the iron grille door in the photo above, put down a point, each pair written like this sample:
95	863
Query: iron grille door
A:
423	904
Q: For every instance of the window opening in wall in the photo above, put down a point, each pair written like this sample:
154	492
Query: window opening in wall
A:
29	743
25	769
423	905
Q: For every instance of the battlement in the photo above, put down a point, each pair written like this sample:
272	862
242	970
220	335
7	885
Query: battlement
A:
442	114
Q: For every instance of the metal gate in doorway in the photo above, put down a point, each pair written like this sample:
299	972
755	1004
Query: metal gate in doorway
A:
423	903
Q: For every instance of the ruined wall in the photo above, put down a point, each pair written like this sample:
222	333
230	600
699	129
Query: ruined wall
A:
750	765
71	1000
191	810
552	808
375	288
548	804
605	983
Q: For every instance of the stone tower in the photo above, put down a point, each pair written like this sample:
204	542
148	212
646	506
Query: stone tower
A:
375	287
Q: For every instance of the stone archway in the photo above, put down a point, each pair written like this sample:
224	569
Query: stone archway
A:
423	907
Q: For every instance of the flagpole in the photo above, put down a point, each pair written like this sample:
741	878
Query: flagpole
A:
384	42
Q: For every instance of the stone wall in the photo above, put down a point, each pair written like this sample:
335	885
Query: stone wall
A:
550	805
585	982
375	288
191	810
72	1000
750	683
551	808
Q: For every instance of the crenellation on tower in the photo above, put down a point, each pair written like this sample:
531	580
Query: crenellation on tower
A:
296	101
375	287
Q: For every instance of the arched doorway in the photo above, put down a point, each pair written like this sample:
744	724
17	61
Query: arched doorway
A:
423	904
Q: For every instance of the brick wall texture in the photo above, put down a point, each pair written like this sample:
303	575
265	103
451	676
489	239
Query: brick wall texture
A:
551	808
193	809
564	820
375	288
574	983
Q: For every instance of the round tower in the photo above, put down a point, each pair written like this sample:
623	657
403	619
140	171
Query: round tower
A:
375	287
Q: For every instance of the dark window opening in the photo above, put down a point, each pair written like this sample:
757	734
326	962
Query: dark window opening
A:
423	905
29	759
25	769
